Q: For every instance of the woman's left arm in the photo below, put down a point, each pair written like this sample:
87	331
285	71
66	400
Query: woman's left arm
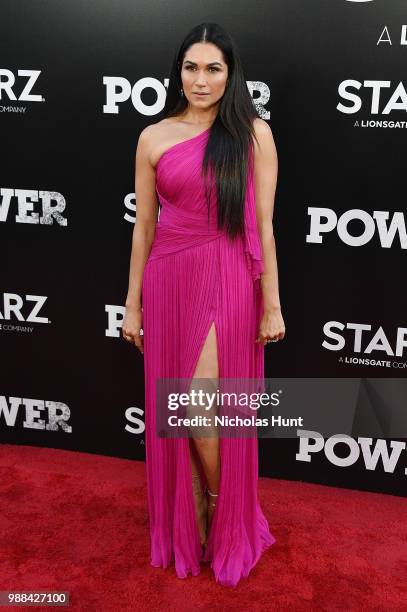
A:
265	177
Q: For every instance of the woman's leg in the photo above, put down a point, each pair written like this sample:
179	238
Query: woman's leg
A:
198	488
207	445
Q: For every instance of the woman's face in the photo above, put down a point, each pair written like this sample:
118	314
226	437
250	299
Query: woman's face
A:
203	71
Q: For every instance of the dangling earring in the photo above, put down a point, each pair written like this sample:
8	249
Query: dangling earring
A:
182	92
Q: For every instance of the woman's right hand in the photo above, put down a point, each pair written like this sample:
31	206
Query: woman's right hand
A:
132	326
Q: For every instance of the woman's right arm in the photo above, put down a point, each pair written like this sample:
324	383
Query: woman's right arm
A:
142	239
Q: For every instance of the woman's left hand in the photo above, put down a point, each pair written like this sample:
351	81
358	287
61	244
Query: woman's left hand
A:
271	326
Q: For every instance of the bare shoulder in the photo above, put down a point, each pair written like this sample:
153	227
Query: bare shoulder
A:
155	130
265	145
150	133
263	131
153	136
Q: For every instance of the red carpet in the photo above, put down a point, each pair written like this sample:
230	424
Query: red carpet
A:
78	522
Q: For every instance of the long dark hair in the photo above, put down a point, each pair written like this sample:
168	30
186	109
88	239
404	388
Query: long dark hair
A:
227	151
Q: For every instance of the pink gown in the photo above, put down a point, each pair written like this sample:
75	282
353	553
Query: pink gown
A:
194	276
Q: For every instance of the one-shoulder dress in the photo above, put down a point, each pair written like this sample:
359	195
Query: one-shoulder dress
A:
196	275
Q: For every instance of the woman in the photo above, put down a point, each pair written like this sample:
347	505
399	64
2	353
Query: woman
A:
203	289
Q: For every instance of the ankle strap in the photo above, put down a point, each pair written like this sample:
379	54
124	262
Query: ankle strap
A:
212	494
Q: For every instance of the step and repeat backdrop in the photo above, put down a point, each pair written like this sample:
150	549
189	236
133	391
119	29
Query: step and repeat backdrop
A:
78	82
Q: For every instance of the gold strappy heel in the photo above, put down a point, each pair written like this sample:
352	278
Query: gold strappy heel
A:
211	504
